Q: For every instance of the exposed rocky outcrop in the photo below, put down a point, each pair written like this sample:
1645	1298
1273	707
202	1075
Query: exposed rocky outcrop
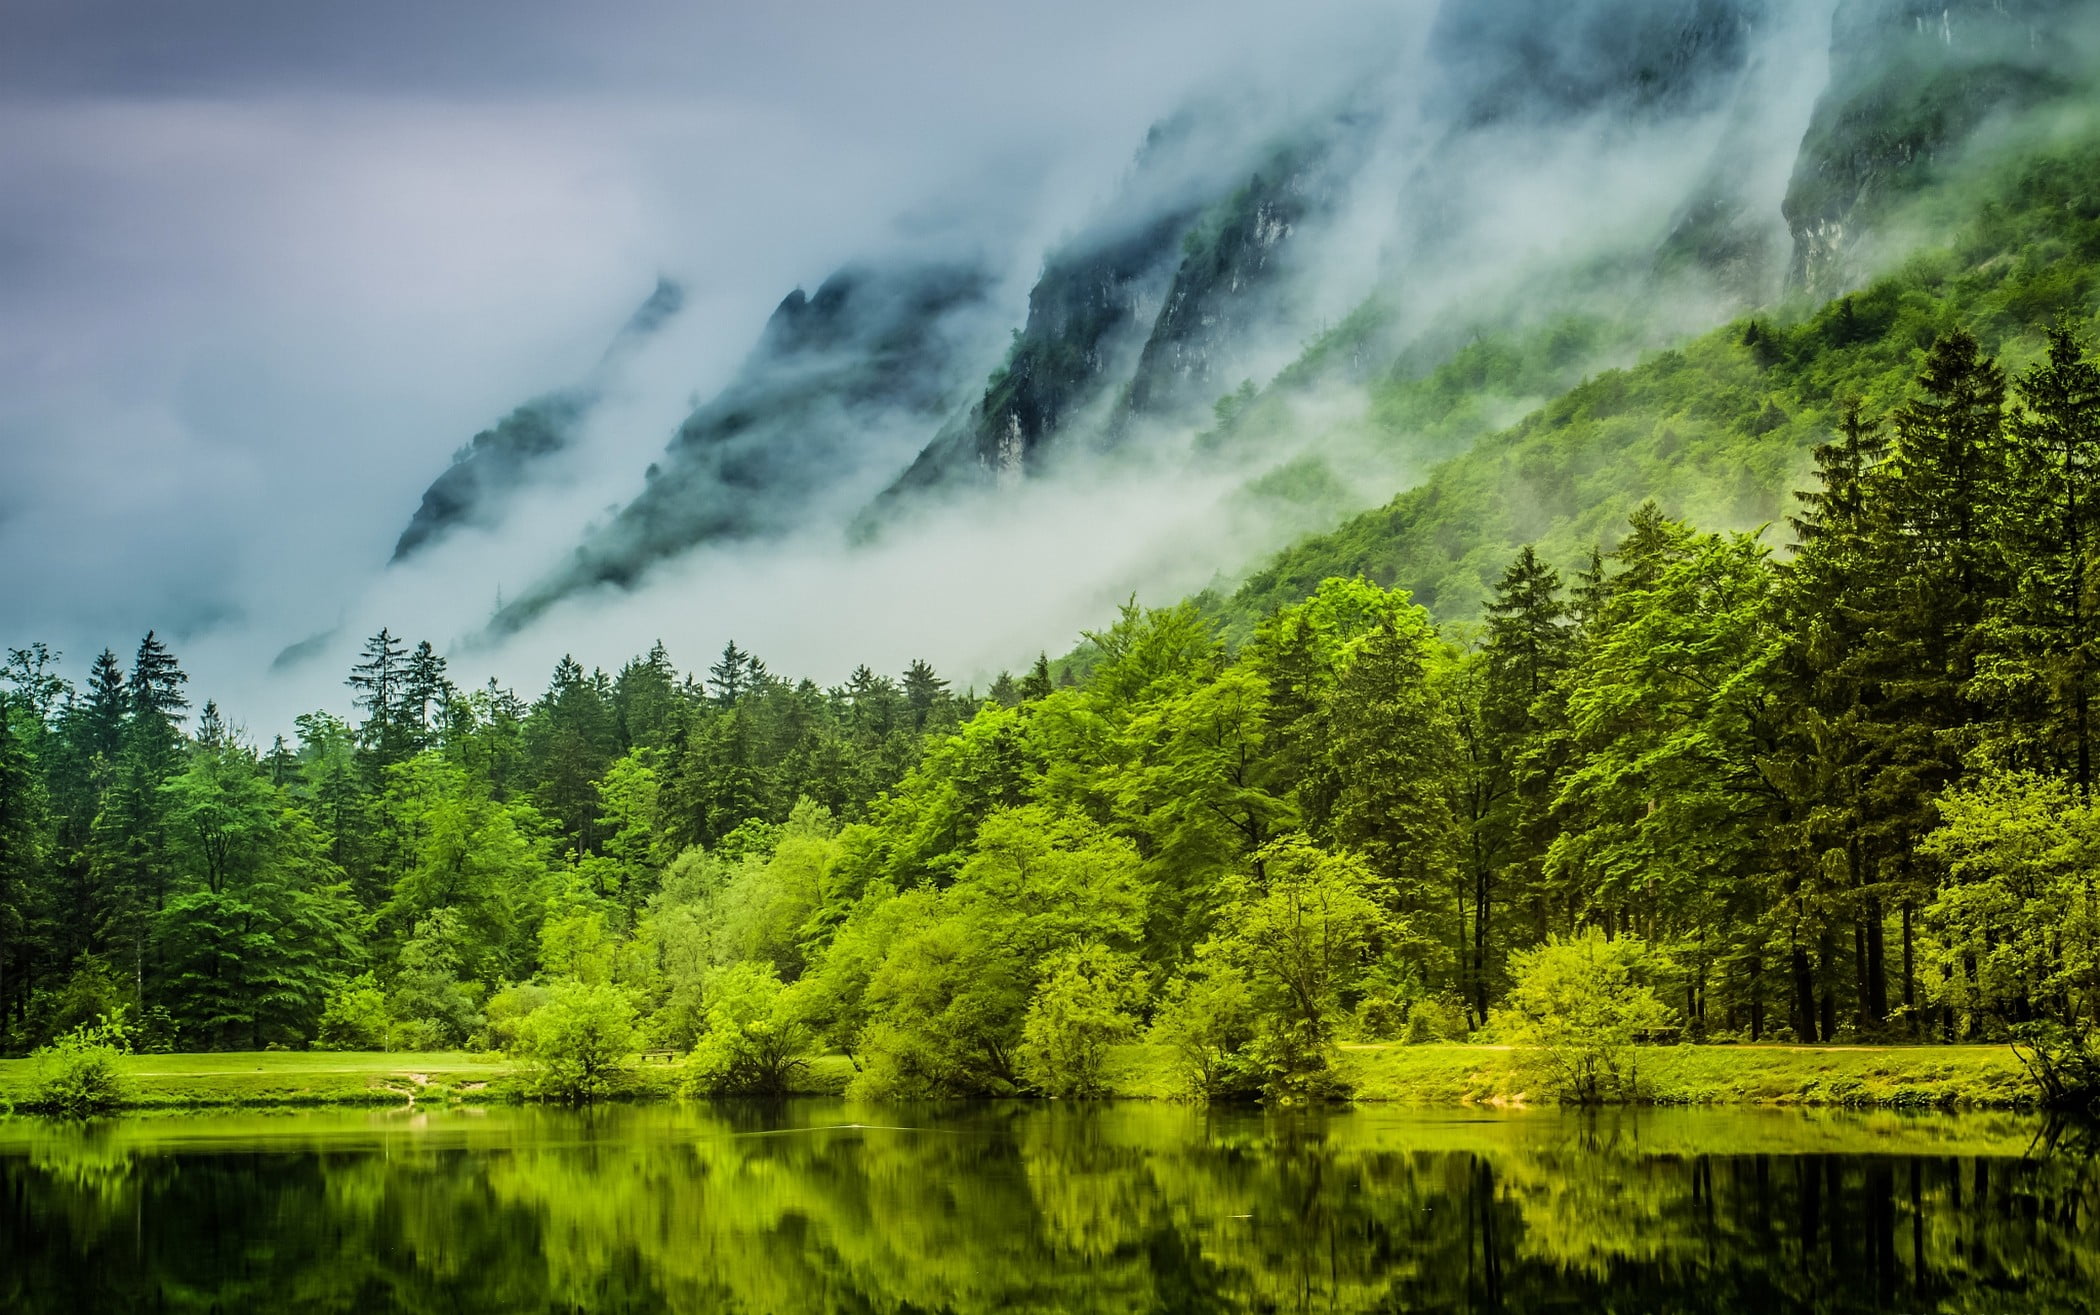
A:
841	386
1542	59
499	461
1910	81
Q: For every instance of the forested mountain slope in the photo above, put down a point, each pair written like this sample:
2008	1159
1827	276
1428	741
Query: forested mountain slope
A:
1721	429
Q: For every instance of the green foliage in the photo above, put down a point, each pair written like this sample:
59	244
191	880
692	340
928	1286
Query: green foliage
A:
1301	935
80	1073
2016	931
1845	780
433	1009
1205	1022
1081	1009
1431	1021
578	1043
355	1017
1581	1003
2064	1063
756	1041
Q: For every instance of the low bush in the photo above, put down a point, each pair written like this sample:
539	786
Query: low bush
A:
81	1073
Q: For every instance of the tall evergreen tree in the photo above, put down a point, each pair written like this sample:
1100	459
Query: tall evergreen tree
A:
2042	636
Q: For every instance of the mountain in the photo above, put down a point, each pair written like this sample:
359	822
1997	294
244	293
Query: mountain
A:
841	384
499	461
1323	296
1910	81
1720	429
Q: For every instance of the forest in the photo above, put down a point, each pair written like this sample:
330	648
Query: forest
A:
1828	780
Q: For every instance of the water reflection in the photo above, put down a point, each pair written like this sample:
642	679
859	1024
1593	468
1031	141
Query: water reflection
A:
824	1207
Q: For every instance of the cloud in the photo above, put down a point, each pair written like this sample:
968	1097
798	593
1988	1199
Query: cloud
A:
269	265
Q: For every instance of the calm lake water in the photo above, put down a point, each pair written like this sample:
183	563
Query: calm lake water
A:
823	1206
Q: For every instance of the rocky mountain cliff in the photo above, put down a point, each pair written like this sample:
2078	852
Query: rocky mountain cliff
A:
1910	81
840	387
476	488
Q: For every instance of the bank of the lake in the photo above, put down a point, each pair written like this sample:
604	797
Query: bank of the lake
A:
1935	1077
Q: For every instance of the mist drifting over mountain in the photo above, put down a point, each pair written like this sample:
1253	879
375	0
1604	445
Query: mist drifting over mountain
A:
966	324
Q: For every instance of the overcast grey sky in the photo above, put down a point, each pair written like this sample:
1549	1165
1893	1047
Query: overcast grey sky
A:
265	265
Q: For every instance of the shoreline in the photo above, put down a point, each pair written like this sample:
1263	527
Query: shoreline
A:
1450	1076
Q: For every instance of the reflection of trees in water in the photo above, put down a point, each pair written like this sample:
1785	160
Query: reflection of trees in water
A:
1112	1208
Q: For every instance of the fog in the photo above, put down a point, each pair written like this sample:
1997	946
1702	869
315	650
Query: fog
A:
268	270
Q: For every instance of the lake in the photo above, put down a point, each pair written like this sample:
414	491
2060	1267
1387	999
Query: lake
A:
825	1206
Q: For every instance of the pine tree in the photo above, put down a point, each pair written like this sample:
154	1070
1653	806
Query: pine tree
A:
648	704
570	739
923	692
1037	683
2043	636
1833	591
426	693
154	729
730	676
211	727
1515	750
1935	574
380	678
22	851
108	701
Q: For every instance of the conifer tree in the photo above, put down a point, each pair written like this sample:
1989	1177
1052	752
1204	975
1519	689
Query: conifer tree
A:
2043	635
380	678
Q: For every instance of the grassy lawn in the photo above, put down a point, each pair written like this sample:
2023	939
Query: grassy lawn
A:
1983	1077
294	1078
291	1078
1979	1077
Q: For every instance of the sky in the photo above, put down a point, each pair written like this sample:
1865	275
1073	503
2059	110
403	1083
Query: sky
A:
266	266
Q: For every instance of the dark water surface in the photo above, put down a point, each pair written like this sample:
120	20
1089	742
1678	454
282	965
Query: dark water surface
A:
822	1206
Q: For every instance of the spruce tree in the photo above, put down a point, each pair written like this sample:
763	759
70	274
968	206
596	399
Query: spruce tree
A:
2042	636
380	678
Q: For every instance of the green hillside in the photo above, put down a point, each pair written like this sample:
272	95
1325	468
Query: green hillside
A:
1718	431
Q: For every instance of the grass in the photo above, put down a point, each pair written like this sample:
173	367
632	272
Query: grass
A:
294	1078
1886	1077
310	1078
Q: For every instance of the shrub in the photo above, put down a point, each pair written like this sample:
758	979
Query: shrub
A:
80	1073
2064	1063
92	993
755	1040
1580	1003
1204	1022
1430	1020
578	1042
505	1014
1299	938
1080	1010
355	1017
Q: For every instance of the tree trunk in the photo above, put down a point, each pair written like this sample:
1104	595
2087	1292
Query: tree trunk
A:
1804	998
1757	998
1910	974
1824	954
1877	965
1482	893
1859	972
